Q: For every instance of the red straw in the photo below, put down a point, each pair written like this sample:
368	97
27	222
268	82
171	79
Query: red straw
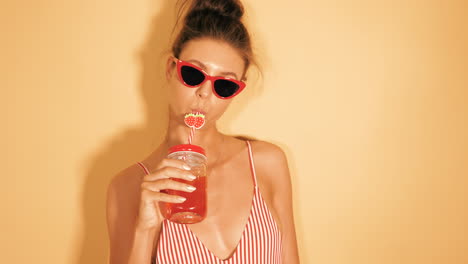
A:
192	133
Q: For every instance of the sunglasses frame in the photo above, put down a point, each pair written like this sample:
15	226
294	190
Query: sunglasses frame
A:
181	63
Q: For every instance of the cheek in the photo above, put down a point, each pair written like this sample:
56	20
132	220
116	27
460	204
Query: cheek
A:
220	107
178	94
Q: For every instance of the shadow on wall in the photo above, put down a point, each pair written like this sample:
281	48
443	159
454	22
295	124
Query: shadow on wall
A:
131	145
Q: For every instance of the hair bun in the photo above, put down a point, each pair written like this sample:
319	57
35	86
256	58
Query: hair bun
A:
228	8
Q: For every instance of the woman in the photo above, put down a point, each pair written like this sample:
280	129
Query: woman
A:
249	217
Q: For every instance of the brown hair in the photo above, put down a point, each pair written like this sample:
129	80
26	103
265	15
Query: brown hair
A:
217	19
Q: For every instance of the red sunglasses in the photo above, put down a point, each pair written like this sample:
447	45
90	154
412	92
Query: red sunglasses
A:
192	76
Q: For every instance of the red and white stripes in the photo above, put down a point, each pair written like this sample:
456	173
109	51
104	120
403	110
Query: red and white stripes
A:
260	242
191	135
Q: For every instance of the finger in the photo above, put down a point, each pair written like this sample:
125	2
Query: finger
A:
167	184
170	172
173	163
162	197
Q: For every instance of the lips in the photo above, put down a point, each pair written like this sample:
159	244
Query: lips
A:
198	111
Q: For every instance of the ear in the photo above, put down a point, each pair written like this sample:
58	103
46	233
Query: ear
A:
170	66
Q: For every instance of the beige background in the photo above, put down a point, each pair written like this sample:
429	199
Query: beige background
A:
367	98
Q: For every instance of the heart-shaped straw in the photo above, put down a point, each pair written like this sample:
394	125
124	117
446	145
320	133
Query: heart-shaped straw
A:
194	121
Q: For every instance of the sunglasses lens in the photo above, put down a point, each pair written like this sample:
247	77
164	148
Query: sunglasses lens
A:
192	76
225	88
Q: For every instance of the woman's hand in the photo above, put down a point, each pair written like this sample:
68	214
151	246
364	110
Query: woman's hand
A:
152	191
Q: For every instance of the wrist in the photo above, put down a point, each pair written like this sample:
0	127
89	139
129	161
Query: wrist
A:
143	229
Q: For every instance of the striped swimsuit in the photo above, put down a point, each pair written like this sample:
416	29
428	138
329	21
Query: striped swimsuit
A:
260	242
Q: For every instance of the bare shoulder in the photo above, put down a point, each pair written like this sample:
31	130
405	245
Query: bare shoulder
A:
125	182
269	157
123	194
271	166
125	186
123	198
274	179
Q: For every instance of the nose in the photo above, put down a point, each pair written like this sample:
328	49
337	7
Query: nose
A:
204	90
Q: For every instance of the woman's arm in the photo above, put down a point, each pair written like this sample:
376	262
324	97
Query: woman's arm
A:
272	165
142	247
133	216
128	243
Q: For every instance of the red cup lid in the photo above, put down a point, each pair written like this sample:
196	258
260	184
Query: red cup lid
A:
187	147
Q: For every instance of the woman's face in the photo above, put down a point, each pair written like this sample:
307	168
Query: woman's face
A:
216	58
